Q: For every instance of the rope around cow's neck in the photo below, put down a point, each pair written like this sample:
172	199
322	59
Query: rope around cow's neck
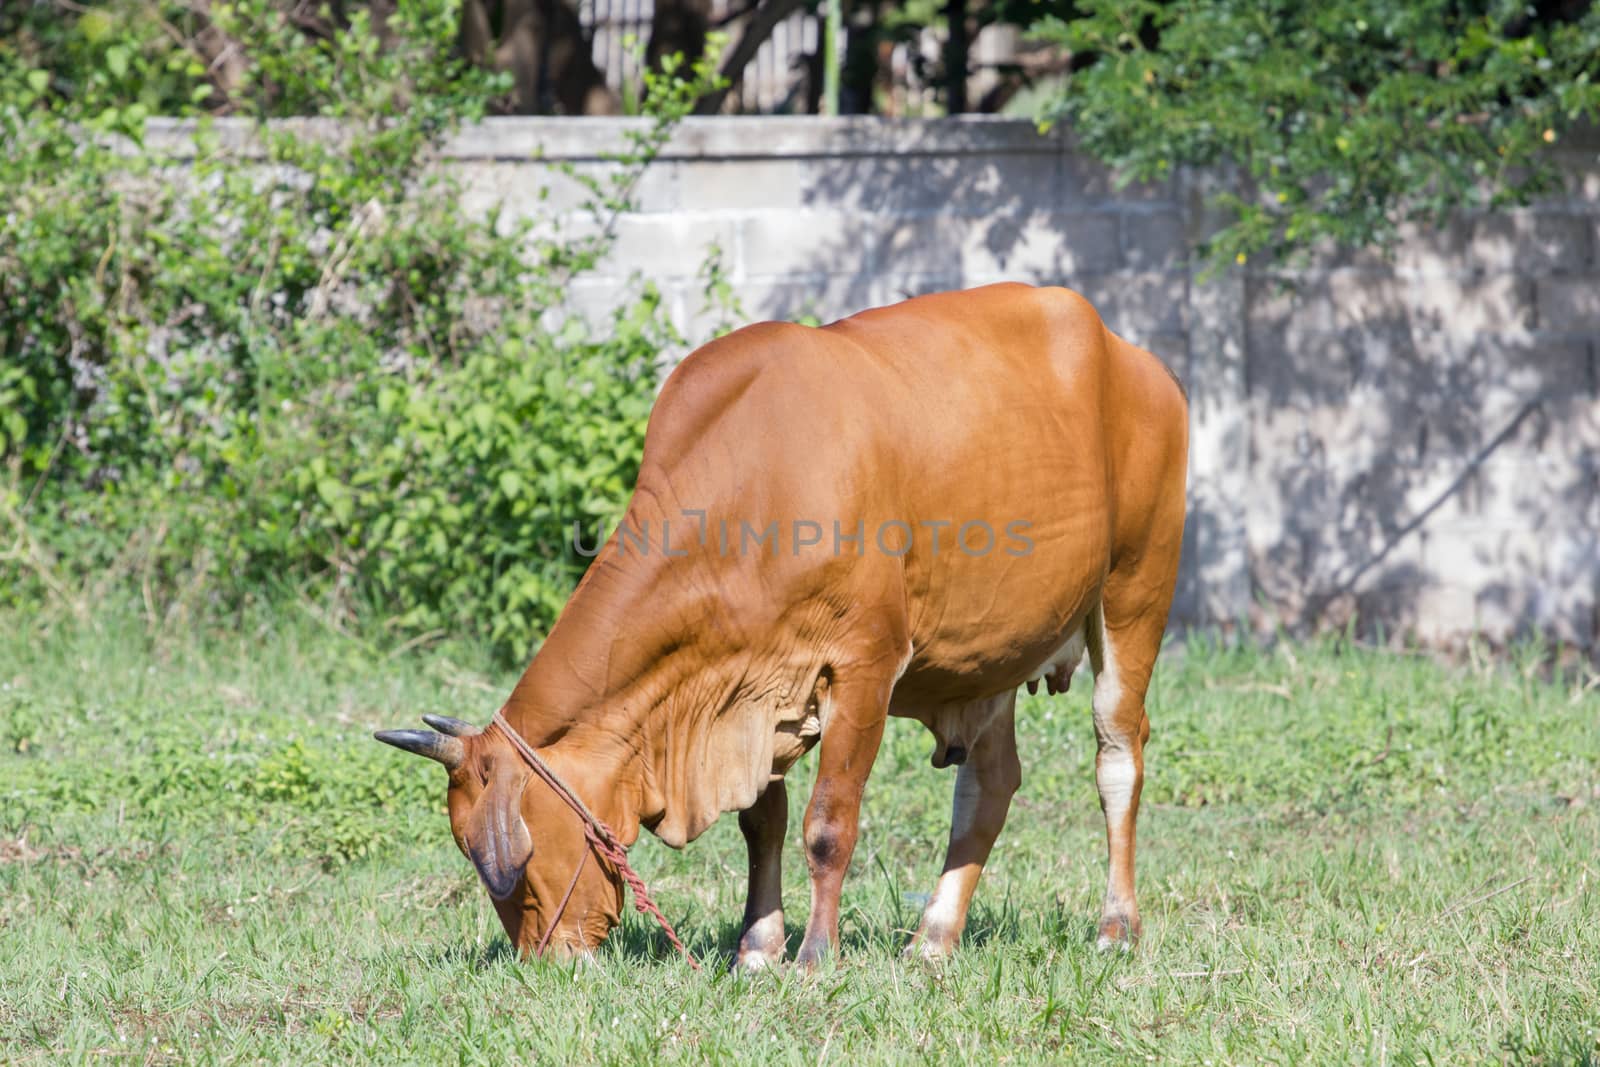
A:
600	838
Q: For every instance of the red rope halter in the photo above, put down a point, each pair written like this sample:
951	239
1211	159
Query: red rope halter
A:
600	839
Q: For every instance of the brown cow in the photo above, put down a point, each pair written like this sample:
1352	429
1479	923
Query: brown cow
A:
912	511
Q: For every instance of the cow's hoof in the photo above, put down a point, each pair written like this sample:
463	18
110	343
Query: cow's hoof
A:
930	948
812	955
750	961
1117	933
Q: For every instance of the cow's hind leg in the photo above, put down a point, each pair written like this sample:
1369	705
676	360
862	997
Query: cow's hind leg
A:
764	823
984	786
1122	651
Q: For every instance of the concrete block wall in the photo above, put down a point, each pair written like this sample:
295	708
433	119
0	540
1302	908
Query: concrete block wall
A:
1413	442
826	217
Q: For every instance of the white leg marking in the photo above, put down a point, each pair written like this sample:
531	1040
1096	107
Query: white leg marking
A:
767	930
1114	776
1107	687
943	911
1114	770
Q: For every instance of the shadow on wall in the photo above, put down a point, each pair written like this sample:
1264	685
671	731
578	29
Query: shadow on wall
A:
984	204
980	204
1423	431
1411	443
1428	433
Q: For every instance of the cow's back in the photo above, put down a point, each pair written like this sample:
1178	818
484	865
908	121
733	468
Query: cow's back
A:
1017	379
982	420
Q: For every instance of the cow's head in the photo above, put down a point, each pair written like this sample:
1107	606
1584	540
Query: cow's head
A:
526	843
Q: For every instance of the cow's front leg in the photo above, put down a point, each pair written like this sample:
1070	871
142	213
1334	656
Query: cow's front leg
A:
851	734
764	824
985	784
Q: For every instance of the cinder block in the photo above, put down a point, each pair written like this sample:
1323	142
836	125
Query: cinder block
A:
1287	366
1450	310
1137	302
1504	612
568	229
1295	304
748	184
805	244
1478	554
1519	489
960	185
592	301
1421	249
1521	577
533	188
1460	309
1085	180
1430	247
1443	612
1532	241
668	246
1570	304
1556	368
518	190
1317	529
1387	589
1564	431
1462	399
1154	240
1043	247
923	244
1365	299
657	190
1018	184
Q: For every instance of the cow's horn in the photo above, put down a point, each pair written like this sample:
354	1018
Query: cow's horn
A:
452	727
447	750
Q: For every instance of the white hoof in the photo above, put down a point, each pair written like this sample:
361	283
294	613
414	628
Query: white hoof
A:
1110	944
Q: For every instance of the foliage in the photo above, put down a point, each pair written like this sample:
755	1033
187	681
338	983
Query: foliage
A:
1349	117
1344	855
108	57
261	58
296	362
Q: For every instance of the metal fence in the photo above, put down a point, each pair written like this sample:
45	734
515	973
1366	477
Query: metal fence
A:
782	76
775	81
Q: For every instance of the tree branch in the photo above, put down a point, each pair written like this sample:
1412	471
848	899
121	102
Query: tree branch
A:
766	19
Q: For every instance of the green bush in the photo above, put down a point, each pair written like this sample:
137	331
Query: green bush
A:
298	368
1349	117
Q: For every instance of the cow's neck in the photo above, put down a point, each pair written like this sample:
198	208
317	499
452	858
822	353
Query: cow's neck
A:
615	696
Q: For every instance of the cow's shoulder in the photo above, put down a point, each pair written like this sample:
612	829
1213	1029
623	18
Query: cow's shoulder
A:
720	376
726	367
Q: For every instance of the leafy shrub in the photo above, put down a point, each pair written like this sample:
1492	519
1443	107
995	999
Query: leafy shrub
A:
1349	116
294	365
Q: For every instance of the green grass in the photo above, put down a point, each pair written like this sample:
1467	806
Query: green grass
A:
1346	855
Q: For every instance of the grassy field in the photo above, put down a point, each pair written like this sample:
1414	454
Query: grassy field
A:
1346	856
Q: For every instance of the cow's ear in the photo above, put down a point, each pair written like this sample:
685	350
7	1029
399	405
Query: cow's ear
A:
497	837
